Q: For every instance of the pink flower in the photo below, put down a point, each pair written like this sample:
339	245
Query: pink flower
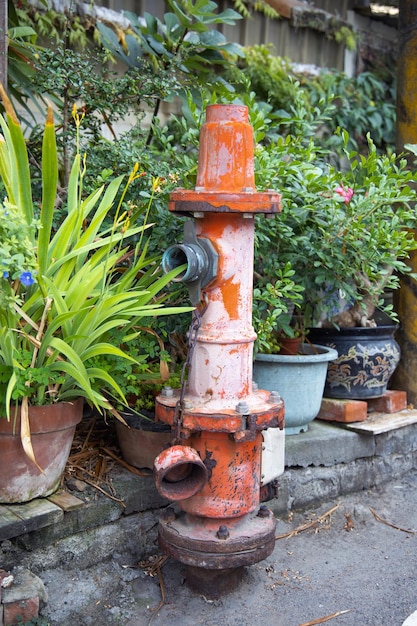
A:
345	193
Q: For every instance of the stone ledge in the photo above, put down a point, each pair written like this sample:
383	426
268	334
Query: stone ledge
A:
25	521
326	444
135	534
303	488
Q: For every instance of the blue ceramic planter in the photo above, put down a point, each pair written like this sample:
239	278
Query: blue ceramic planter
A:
299	379
367	359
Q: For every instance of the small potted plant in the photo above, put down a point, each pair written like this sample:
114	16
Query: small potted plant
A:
152	368
62	293
298	375
276	324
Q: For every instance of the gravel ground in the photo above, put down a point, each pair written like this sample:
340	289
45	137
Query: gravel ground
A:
356	566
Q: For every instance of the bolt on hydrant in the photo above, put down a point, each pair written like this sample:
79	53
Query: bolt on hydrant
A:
213	470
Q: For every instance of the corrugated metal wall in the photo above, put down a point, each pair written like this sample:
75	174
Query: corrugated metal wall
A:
300	45
155	7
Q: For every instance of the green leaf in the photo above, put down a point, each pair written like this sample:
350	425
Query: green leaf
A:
49	189
20	192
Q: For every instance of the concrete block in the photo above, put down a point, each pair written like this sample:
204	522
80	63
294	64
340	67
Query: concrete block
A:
137	492
135	534
357	476
312	488
343	410
396	465
401	441
326	444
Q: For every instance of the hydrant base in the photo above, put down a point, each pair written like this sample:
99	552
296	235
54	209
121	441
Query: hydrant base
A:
213	584
235	544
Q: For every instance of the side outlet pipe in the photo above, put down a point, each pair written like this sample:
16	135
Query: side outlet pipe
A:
180	473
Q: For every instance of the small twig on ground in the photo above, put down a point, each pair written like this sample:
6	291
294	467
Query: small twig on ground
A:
153	567
103	491
313	524
381	519
92	456
87	437
321	620
126	465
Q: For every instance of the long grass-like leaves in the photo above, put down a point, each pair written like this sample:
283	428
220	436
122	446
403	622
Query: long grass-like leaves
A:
20	191
73	199
62	245
49	189
5	167
9	392
99	285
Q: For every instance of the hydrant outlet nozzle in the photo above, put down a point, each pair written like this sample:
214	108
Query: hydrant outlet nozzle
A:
192	256
199	257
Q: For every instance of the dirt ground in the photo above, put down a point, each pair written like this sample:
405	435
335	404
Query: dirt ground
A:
355	566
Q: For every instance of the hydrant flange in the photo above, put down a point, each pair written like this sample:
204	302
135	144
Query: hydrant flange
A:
262	414
250	540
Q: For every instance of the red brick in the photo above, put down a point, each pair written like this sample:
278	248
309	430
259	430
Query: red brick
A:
391	402
3	575
20	611
333	410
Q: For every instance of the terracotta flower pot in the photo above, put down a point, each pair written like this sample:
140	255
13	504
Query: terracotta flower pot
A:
52	429
289	345
142	441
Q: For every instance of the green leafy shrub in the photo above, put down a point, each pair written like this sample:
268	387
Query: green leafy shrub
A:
344	233
360	105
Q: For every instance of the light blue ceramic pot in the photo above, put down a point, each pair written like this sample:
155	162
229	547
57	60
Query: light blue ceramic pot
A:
299	379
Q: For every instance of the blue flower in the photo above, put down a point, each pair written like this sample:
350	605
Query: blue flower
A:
5	274
26	279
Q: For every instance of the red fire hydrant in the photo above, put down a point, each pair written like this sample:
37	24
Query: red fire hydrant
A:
214	473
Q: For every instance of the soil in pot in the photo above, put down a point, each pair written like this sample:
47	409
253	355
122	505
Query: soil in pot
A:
143	439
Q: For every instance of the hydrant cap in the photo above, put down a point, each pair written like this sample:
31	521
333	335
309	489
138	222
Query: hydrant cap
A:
227	113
